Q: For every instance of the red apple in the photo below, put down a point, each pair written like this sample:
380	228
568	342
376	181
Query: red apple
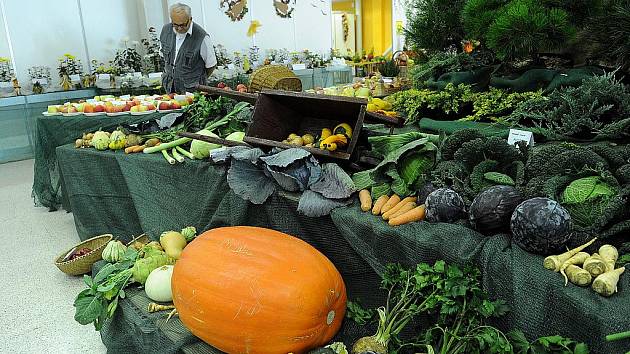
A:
164	106
175	105
118	108
171	95
99	108
88	108
127	106
150	107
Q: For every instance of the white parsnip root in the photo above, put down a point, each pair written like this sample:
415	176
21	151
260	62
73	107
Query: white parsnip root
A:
555	262
577	260
595	265
606	284
578	276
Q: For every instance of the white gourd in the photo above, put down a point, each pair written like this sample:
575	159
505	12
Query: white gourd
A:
158	285
114	251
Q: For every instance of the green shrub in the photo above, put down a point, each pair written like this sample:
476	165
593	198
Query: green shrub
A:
439	64
434	25
525	27
608	35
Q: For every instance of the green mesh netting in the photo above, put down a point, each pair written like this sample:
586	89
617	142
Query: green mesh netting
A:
55	131
129	194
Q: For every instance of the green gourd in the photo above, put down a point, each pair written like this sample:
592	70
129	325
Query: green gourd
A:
114	251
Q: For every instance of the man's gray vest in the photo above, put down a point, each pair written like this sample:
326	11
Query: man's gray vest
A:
189	69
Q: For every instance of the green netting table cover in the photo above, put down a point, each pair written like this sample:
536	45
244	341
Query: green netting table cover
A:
110	192
54	131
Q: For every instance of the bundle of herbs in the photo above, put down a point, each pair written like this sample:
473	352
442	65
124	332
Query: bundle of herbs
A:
460	309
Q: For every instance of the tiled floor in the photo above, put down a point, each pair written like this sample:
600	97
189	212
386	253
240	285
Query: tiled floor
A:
36	312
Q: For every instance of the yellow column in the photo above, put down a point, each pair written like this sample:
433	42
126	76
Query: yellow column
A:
377	25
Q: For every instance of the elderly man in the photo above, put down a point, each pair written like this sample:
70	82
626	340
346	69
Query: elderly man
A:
188	52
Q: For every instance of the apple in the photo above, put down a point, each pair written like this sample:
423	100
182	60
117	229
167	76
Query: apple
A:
135	109
241	86
72	109
143	108
88	108
97	98
80	107
99	108
189	99
164	106
221	85
109	109
53	109
150	107
175	105
118	108
127	107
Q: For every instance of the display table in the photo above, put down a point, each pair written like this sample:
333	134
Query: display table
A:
55	131
129	194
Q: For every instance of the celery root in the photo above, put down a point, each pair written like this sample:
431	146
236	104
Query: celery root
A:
577	275
595	265
606	284
577	259
555	262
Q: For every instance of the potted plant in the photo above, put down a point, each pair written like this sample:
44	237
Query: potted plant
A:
128	62
104	74
70	70
40	77
153	59
6	75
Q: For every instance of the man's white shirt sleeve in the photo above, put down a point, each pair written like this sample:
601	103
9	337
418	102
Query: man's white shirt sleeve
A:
207	52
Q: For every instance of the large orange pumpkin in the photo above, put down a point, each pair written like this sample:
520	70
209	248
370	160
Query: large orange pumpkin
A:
253	290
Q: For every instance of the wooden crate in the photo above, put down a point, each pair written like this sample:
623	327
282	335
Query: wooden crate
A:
280	113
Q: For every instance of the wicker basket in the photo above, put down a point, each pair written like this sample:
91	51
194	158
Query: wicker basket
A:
142	239
83	264
276	77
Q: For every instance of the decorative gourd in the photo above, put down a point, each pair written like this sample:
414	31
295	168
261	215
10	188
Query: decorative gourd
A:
114	251
100	140
117	140
173	243
254	290
158	284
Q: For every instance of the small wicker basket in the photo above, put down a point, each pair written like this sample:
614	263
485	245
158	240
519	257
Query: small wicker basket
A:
276	77
83	264
144	238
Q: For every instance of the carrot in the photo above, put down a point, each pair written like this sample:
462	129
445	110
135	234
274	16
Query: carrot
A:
606	284
407	207
393	200
379	204
366	199
415	214
139	148
578	259
129	149
577	275
390	212
555	262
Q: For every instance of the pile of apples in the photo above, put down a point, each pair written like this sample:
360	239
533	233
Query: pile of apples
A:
172	101
239	87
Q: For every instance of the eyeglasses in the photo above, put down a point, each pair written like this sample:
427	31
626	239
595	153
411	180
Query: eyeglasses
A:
177	25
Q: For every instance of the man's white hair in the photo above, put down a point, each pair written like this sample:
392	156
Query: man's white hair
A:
181	8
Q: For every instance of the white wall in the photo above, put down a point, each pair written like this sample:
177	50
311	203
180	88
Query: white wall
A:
40	31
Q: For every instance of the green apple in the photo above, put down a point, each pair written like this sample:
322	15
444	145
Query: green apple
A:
142	108
53	109
363	92
135	109
80	107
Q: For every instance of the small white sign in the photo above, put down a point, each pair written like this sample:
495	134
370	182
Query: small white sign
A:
41	81
299	66
137	74
103	76
155	75
231	66
521	135
75	78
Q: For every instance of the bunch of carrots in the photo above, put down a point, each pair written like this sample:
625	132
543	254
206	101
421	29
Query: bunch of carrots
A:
393	209
581	268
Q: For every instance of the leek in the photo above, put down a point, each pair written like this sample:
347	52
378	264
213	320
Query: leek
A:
166	146
176	155
168	157
185	152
